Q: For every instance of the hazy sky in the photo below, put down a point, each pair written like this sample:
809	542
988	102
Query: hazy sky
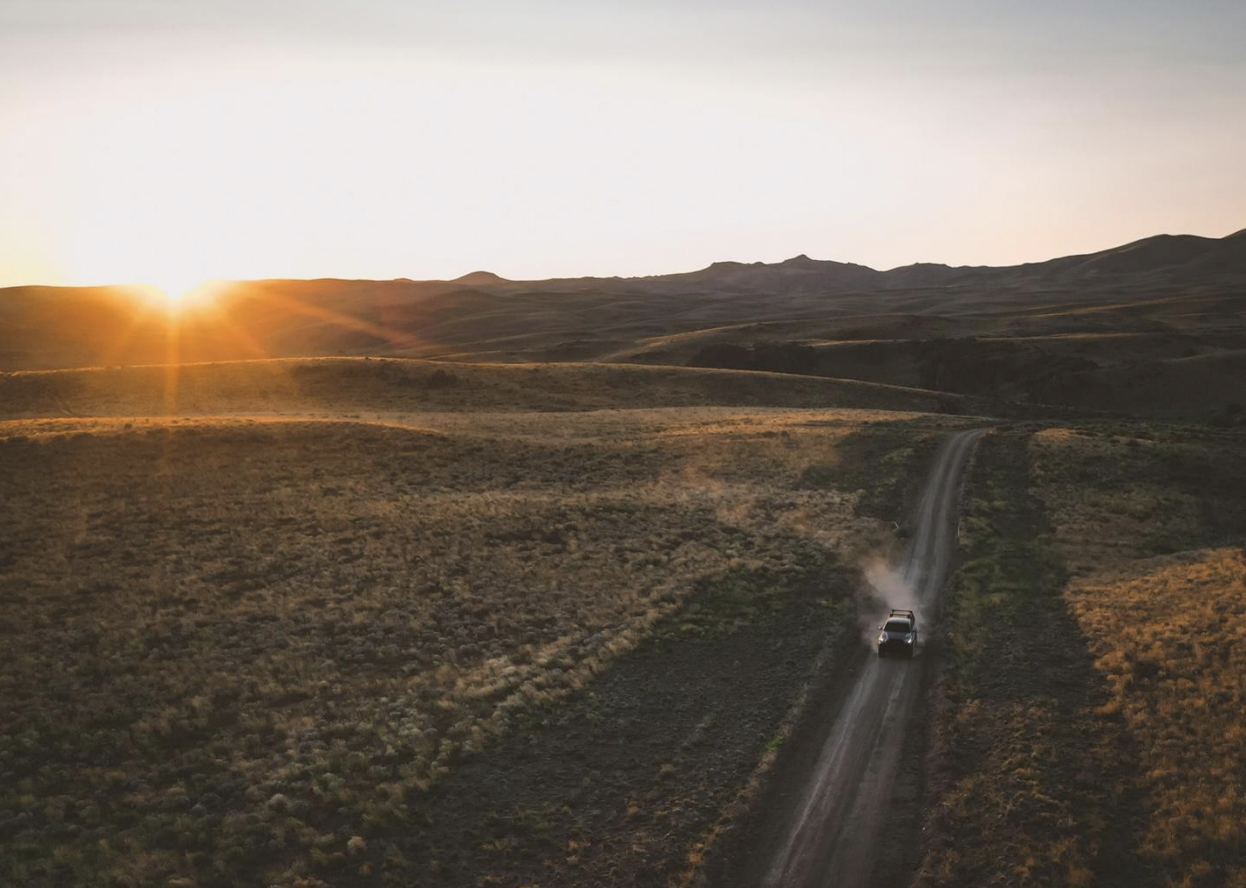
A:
176	140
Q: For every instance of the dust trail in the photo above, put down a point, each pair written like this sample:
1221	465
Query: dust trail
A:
829	802
888	588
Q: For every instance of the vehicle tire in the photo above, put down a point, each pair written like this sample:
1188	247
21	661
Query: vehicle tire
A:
908	655
880	653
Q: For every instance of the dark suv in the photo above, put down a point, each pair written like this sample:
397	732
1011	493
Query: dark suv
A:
898	634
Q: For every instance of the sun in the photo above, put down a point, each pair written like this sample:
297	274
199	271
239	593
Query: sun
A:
176	293
177	288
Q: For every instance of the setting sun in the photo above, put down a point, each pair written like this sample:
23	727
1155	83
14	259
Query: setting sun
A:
760	444
177	293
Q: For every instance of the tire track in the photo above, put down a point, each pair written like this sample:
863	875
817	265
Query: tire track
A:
824	831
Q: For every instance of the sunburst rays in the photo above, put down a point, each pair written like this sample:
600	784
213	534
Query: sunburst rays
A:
227	321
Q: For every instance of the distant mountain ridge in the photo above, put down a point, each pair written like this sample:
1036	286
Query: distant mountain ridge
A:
488	317
1164	258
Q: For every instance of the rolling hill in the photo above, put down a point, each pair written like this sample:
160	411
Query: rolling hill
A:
1070	331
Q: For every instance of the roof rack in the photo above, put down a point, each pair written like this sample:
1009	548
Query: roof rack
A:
903	613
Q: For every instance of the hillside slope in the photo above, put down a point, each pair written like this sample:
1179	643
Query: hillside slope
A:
482	316
349	386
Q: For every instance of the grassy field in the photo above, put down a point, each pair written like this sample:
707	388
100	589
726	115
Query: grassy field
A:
1155	549
352	387
268	650
1090	729
1162	347
349	621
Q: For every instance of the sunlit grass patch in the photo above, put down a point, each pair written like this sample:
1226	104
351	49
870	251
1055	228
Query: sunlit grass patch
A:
1169	638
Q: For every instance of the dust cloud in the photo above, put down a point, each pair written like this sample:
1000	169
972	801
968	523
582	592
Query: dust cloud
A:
885	588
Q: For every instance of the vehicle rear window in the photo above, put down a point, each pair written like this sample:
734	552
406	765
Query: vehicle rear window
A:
897	626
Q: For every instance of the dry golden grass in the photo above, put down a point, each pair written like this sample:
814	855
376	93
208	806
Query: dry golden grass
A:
1169	640
229	647
364	386
1117	498
1092	724
1167	632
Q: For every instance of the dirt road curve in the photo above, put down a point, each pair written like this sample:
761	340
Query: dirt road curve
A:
826	822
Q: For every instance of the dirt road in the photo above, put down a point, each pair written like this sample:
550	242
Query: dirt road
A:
822	822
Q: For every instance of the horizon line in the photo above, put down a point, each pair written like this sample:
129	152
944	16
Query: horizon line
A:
617	277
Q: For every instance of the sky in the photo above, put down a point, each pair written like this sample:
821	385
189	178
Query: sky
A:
173	141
